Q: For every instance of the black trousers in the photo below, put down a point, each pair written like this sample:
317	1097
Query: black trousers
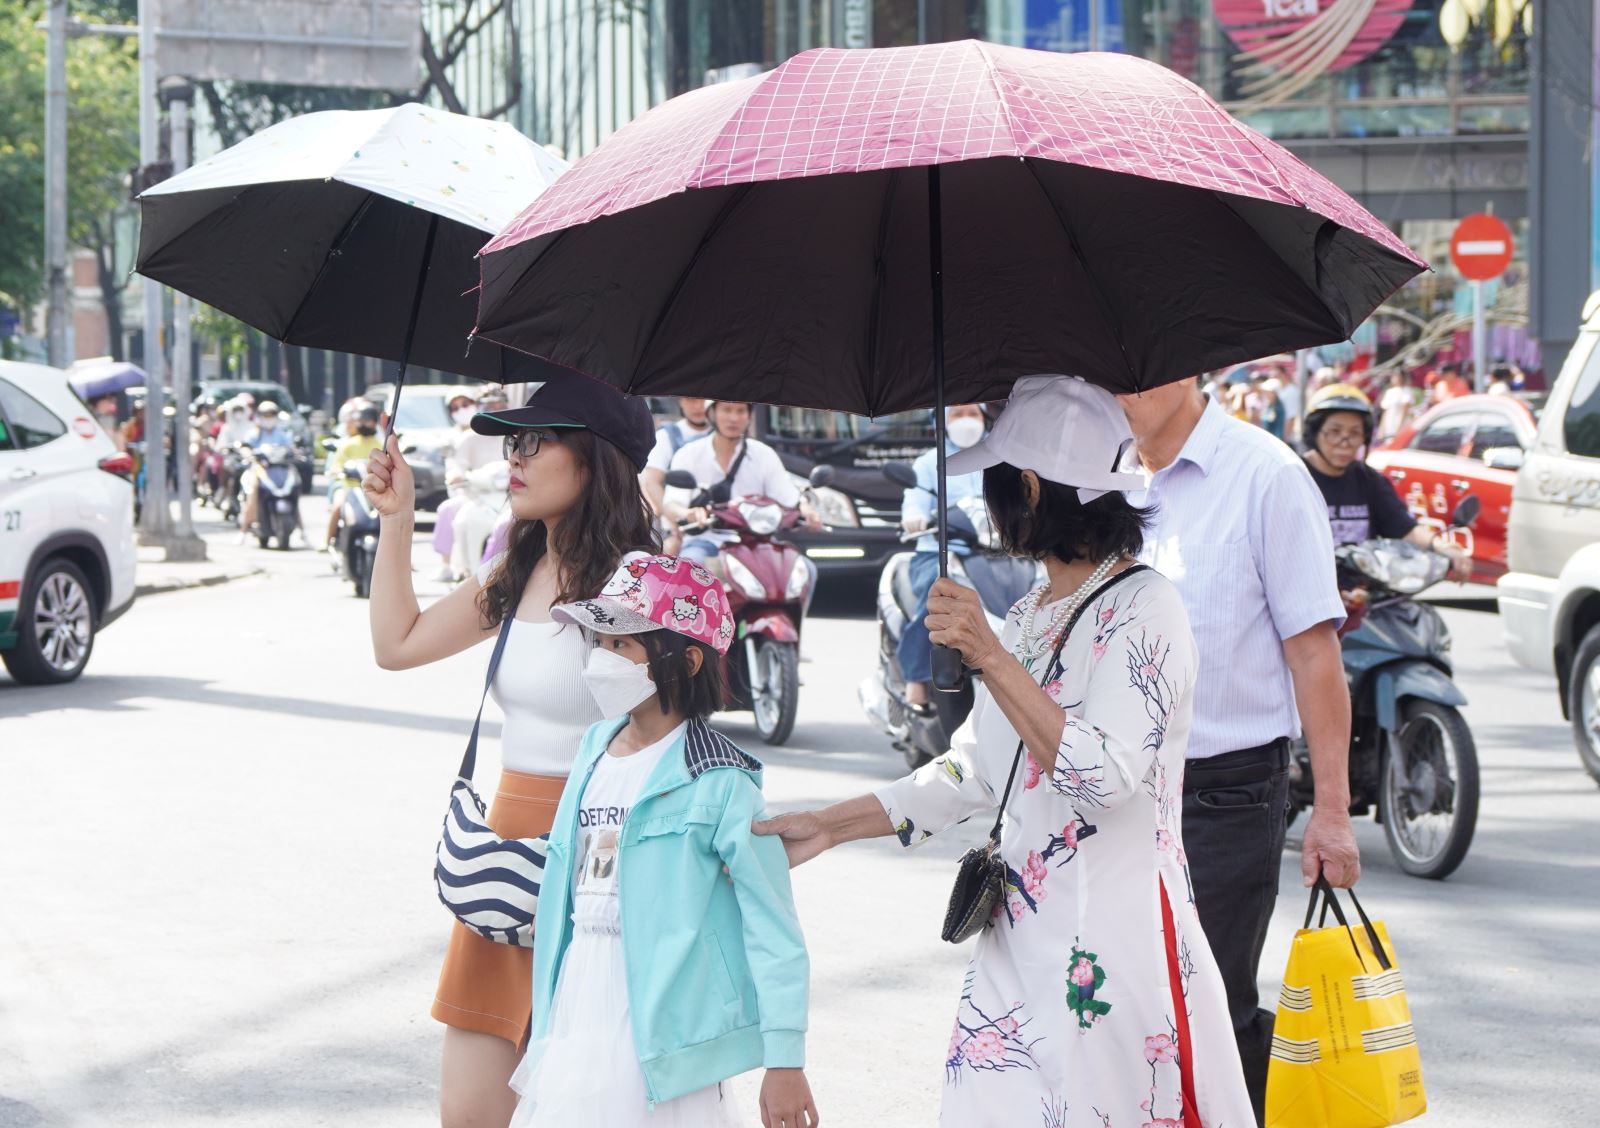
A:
1235	809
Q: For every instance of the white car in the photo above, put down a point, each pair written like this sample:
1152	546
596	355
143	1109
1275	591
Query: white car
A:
66	526
1550	598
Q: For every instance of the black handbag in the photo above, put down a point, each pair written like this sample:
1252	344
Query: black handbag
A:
981	874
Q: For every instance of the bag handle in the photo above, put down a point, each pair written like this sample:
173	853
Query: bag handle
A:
469	762
1050	671
1324	889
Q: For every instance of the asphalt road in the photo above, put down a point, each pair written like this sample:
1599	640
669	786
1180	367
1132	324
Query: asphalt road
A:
218	907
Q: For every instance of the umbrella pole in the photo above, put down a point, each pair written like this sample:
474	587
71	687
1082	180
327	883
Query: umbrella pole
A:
946	662
411	325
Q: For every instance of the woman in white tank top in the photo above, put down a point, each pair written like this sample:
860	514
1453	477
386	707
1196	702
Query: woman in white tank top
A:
575	452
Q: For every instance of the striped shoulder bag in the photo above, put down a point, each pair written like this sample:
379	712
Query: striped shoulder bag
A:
490	883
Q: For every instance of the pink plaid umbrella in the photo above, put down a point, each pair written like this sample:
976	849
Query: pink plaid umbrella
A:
1099	215
868	231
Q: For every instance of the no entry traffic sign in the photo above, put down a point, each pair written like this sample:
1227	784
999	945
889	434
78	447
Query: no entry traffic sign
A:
1481	247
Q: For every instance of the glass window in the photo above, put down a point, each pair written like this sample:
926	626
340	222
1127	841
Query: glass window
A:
1494	430
813	425
1581	427
31	423
1445	434
421	411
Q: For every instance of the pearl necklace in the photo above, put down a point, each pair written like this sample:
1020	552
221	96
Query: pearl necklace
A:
1067	606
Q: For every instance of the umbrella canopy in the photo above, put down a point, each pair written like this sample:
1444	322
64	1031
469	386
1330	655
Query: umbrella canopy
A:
1100	216
318	229
104	377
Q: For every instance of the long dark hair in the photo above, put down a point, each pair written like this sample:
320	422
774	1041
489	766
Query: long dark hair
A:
609	520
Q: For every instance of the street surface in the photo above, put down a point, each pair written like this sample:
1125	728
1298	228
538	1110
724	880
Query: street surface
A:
218	904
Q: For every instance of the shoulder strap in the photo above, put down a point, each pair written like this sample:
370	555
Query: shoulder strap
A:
469	762
1051	670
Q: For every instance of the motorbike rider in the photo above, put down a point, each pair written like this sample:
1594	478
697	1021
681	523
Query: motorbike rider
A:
269	432
477	473
728	465
355	447
1361	502
693	423
963	428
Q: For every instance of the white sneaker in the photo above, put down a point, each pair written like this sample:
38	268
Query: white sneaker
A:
445	575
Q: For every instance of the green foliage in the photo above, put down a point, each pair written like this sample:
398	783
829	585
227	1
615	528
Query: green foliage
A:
239	109
227	334
102	136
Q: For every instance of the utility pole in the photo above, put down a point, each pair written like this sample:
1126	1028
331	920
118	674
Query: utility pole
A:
55	184
157	517
177	93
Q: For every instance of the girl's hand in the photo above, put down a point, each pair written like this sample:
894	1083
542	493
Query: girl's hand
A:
804	836
956	619
786	1100
389	483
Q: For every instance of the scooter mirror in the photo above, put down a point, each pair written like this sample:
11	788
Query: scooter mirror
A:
682	480
901	474
821	475
1466	511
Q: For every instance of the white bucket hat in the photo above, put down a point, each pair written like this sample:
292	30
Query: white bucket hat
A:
1065	430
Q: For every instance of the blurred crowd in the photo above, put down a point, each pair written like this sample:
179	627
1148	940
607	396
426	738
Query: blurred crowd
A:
1268	395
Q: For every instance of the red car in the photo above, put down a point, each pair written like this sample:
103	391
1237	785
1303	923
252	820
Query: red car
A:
1471	444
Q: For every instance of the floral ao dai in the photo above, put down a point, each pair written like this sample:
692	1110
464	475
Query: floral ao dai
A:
1067	1017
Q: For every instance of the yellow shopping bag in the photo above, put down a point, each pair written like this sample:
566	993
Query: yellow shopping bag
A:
1344	1054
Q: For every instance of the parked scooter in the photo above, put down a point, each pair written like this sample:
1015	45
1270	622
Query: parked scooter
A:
278	490
769	584
920	734
1413	761
355	537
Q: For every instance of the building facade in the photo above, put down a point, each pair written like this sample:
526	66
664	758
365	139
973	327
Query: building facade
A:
1424	110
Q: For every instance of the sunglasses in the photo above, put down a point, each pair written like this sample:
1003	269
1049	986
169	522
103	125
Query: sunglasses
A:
525	444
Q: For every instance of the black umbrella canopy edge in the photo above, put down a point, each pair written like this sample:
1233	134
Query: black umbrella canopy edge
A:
559	333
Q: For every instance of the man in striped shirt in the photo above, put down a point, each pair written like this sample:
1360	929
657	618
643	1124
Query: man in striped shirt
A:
1242	532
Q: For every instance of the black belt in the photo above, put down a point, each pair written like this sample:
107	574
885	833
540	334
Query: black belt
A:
1231	769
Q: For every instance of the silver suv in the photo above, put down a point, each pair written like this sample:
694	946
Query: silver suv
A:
1550	597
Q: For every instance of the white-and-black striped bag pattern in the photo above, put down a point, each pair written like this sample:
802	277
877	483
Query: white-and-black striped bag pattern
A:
490	883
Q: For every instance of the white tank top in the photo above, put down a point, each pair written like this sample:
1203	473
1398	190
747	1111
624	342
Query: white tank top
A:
539	687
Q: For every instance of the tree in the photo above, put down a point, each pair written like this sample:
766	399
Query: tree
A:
102	146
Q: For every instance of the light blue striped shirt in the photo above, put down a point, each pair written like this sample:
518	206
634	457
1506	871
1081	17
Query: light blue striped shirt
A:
1242	532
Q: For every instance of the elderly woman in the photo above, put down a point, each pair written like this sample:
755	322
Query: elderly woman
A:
1092	998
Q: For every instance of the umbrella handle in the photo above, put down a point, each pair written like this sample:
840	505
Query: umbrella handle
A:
946	662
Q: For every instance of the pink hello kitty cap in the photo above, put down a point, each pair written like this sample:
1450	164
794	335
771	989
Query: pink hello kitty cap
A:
652	593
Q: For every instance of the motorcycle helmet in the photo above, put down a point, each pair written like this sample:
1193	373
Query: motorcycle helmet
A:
1332	399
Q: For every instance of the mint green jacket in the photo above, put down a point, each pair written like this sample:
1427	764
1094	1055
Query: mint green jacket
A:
716	966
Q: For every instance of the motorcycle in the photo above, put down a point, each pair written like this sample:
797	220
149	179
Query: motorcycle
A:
278	490
769	584
234	462
920	734
1413	762
355	541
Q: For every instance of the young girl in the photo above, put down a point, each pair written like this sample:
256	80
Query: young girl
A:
669	957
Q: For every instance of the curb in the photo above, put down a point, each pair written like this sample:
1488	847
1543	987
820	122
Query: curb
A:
162	587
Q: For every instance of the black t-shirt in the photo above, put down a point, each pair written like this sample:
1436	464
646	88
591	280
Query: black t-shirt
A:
1362	504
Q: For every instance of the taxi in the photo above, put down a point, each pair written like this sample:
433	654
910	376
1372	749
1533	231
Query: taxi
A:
66	527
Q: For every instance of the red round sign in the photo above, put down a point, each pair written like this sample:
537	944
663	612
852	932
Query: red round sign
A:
1481	247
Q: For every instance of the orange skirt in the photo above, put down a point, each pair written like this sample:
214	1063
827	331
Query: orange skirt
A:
485	986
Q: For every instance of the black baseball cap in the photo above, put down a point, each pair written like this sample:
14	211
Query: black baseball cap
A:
622	420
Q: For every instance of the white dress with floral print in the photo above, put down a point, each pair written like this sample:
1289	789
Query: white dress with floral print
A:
1067	1016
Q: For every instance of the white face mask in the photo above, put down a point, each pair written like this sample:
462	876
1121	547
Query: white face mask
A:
463	416
964	431
618	685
